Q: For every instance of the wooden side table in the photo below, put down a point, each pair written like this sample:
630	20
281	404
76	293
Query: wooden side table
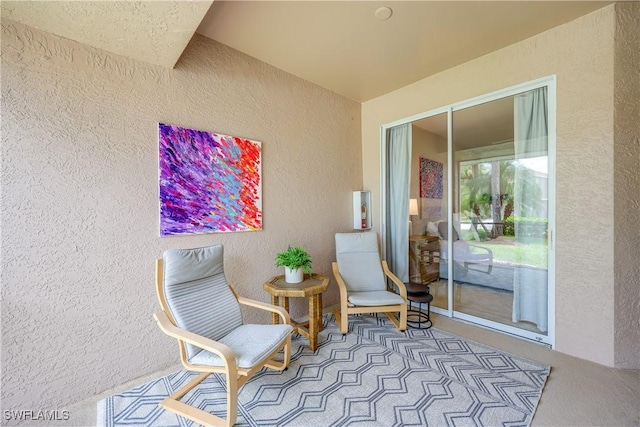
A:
311	287
427	257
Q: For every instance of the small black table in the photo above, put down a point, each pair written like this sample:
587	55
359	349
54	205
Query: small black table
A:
418	293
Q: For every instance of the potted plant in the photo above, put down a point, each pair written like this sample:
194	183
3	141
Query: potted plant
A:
296	261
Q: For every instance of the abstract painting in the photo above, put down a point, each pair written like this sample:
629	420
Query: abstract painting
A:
430	179
209	183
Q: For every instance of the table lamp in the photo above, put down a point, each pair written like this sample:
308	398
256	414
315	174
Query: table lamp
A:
413	211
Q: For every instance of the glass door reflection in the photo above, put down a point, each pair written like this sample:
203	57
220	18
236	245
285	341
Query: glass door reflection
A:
429	187
500	213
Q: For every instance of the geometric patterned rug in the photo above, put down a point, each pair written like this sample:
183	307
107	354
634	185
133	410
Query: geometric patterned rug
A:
373	376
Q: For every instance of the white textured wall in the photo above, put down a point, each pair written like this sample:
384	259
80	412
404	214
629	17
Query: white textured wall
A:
152	31
581	54
79	205
627	185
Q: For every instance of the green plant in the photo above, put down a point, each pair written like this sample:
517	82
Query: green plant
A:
535	227
294	257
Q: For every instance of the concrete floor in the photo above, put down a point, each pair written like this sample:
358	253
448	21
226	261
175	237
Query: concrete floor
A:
577	392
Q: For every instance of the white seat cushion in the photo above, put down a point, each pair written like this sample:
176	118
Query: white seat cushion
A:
250	344
376	298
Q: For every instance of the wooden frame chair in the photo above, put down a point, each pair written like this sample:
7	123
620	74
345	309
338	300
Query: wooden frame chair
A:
212	350
363	280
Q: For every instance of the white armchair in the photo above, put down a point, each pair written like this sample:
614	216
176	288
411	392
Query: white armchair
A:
202	312
362	279
479	257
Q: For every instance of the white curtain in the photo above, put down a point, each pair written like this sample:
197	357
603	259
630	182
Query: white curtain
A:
530	285
399	168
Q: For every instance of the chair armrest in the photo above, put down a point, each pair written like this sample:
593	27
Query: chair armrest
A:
401	287
265	306
489	251
222	350
342	287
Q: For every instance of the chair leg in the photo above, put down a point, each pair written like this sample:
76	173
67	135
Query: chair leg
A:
392	317
281	366
232	398
399	321
174	405
403	318
342	318
191	384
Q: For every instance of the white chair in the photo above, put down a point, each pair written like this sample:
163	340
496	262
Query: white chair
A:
363	279
202	312
479	257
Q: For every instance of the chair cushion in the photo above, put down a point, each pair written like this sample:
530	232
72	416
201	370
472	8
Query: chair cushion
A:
432	229
359	262
198	295
443	229
371	299
462	252
250	343
186	265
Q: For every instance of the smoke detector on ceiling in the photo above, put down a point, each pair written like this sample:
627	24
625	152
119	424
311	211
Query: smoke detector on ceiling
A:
383	13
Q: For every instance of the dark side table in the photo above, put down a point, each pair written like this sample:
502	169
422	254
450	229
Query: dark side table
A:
418	293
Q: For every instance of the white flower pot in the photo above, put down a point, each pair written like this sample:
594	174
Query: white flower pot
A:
293	276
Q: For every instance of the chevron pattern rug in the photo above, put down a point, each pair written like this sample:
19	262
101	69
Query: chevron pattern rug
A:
373	376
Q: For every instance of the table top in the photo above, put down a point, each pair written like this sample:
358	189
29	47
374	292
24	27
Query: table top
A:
311	285
416	288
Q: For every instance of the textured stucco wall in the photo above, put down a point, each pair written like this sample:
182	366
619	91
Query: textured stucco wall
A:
580	53
627	185
79	212
151	31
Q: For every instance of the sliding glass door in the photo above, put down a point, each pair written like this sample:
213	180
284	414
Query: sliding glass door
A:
429	188
501	212
481	184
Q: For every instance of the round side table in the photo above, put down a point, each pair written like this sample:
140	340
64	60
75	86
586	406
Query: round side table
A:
418	293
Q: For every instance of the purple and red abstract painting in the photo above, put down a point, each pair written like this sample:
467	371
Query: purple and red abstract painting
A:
430	179
209	183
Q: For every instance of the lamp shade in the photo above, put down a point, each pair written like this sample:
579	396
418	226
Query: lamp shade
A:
413	206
